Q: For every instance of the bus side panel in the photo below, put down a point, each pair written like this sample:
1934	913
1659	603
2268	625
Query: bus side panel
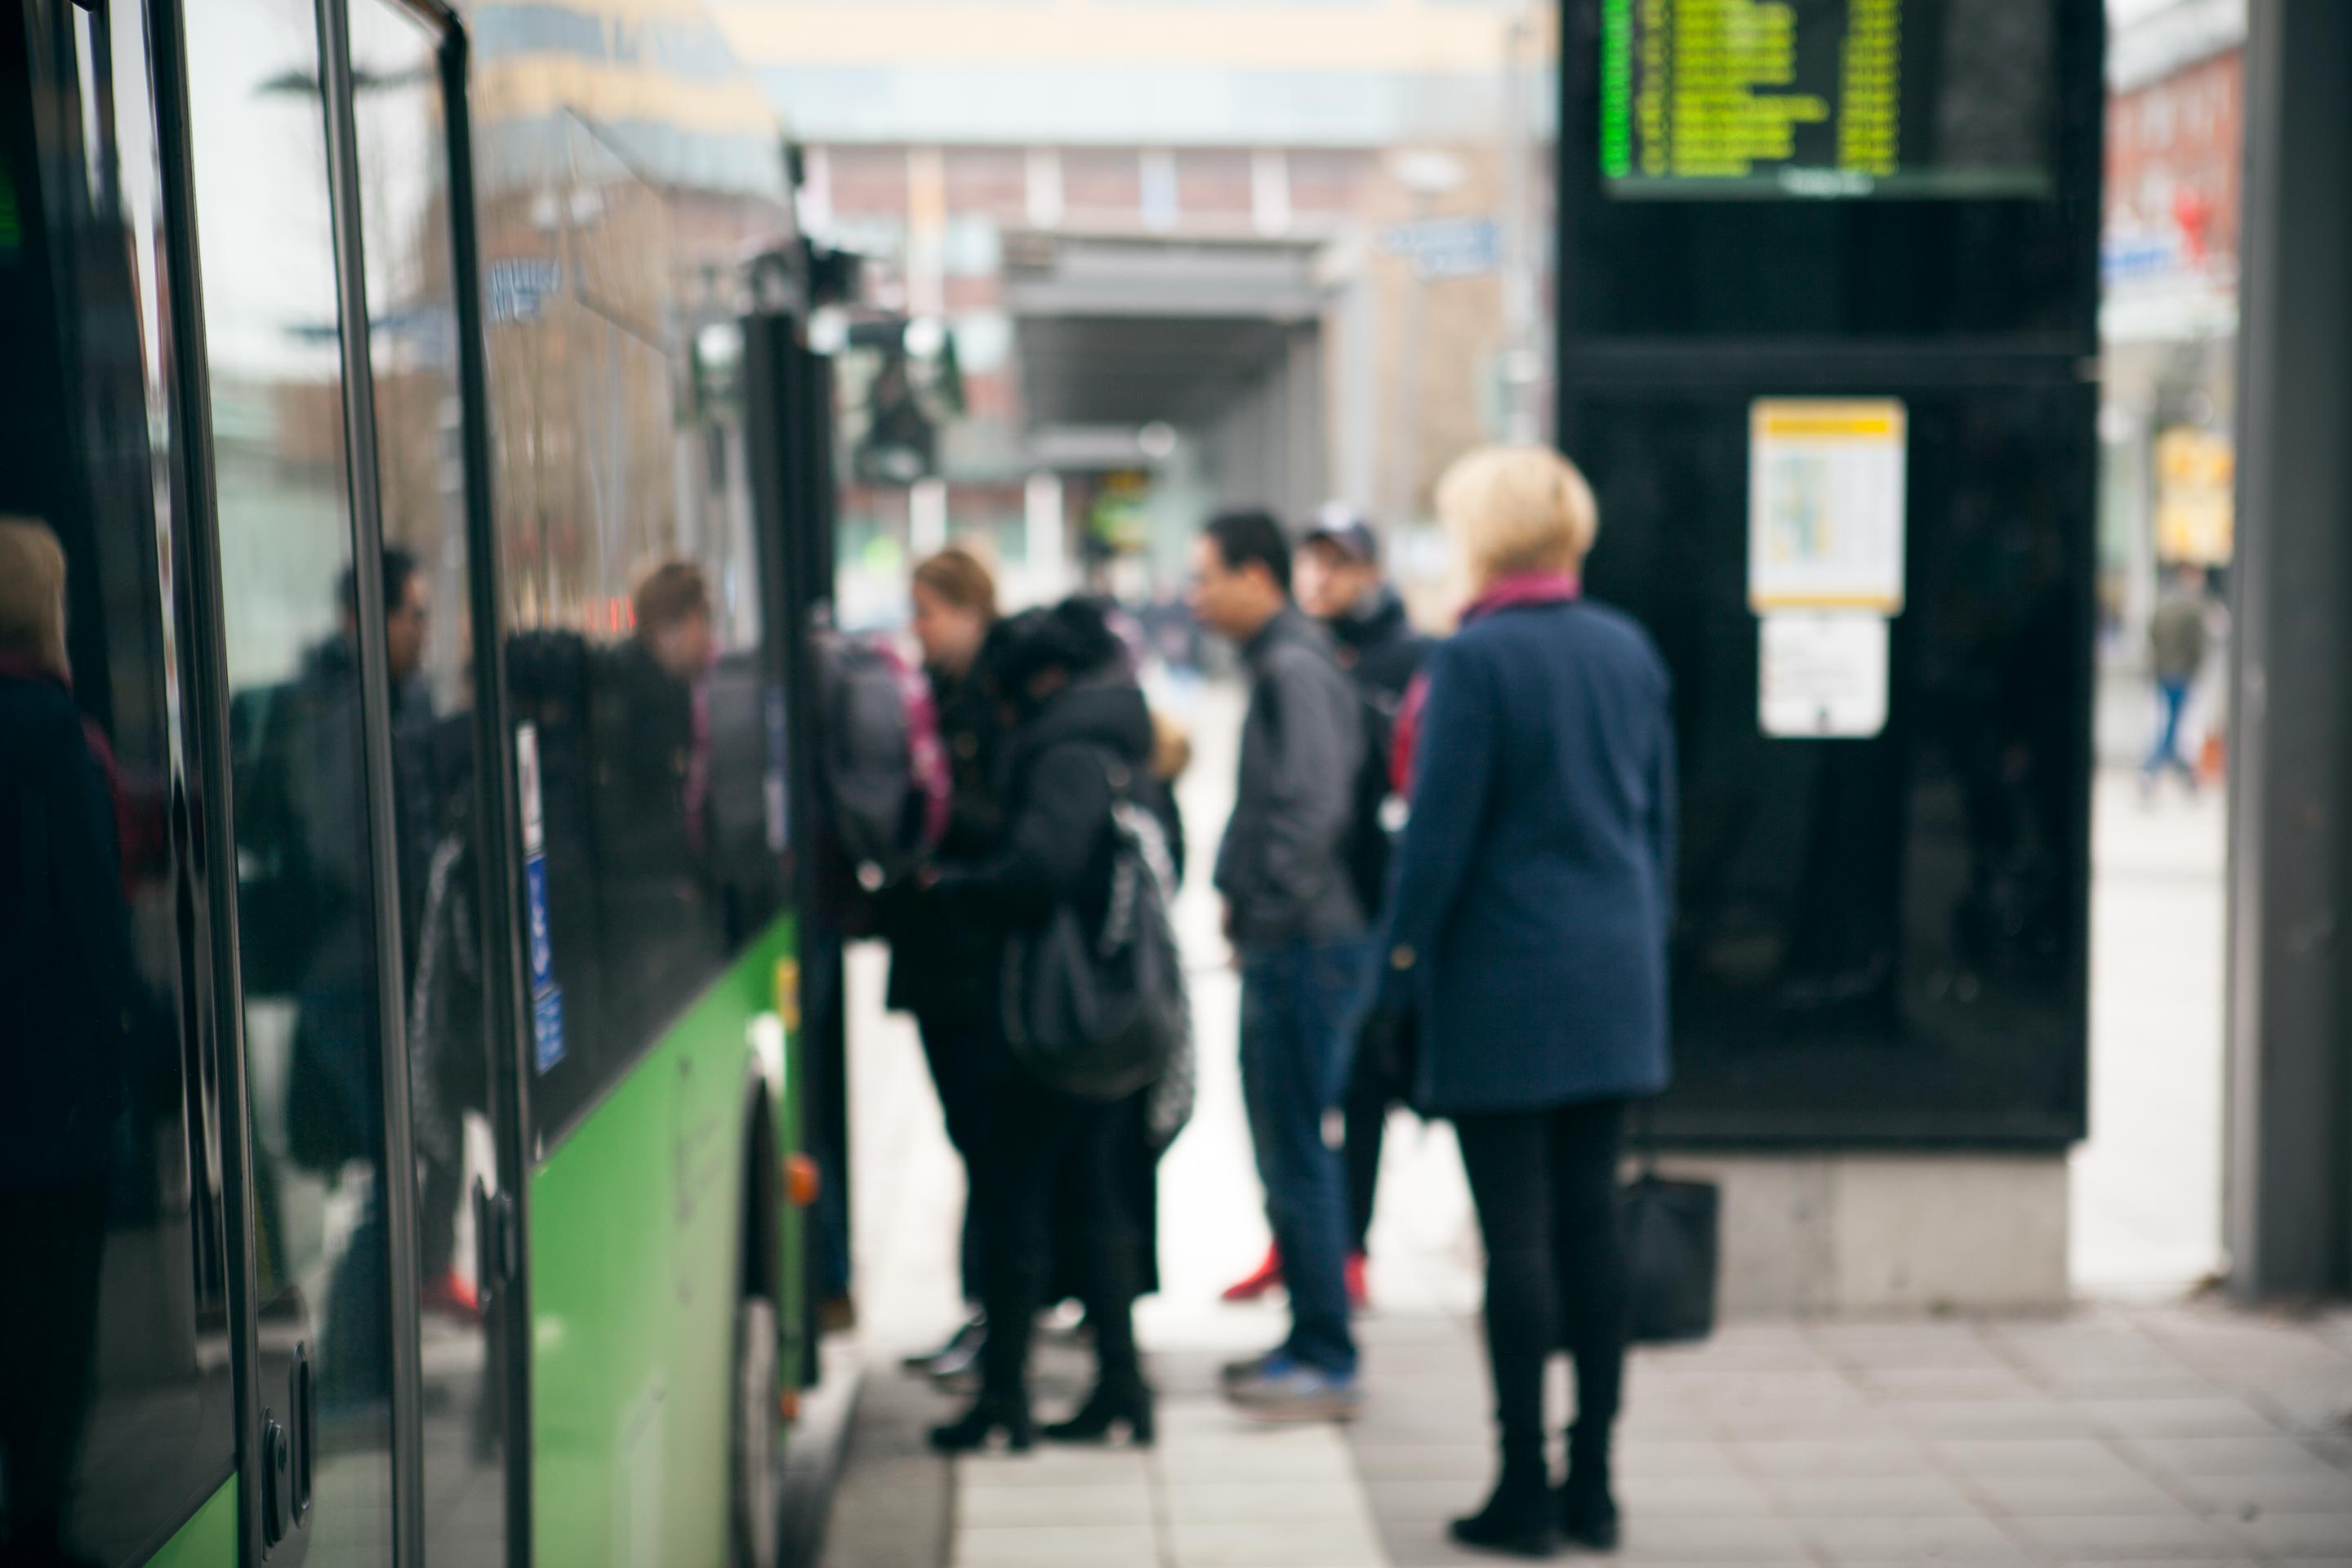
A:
209	1538
635	1242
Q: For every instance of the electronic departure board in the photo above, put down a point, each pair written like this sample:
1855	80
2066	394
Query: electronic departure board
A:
1827	99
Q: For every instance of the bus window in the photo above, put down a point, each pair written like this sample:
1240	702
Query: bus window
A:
421	498
633	596
306	889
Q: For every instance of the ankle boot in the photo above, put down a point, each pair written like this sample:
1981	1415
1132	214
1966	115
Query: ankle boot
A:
1113	1402
1588	1509
1517	1518
988	1415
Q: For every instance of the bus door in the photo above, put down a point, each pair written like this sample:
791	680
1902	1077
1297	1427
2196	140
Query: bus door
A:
374	945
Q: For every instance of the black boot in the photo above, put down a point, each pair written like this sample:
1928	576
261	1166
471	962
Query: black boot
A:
988	1415
1518	1519
1126	1401
1588	1511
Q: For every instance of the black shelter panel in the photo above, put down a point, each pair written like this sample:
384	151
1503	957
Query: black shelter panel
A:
1880	941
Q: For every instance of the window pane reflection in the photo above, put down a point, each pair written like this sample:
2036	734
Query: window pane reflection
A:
305	898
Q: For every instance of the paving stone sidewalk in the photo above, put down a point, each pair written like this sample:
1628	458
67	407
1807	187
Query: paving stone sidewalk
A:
2176	1434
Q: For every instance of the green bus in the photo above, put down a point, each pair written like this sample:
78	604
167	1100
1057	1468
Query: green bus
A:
432	574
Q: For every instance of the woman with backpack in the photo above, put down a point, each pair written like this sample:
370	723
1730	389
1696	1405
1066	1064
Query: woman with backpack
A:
1081	739
940	968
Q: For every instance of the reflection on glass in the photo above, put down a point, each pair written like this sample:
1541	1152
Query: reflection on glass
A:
306	934
413	360
622	489
115	1396
1876	938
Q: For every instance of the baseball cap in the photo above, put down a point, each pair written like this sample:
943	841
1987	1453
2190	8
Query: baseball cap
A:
1347	532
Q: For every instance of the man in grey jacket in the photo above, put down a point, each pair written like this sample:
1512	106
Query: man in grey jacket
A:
1297	929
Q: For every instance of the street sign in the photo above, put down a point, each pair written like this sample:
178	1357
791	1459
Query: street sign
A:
1446	246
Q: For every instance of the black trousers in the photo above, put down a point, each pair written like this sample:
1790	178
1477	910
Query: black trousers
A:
1034	1140
961	1052
1371	1091
1545	1185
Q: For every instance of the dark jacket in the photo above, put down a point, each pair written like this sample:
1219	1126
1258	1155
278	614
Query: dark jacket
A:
1378	646
1061	765
1535	879
77	1007
939	966
1382	652
1283	864
1062	762
647	825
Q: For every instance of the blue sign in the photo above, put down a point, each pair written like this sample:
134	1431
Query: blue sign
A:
546	1028
519	286
538	942
1446	246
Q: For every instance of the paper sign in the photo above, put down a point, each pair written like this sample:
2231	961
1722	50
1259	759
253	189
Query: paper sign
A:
1821	676
534	822
1825	521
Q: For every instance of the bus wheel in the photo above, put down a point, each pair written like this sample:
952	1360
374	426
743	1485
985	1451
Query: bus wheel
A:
758	1495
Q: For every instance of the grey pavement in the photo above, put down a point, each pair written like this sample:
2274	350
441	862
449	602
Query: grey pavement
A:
2137	1427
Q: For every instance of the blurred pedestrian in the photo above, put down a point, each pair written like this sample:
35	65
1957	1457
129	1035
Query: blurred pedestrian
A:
1298	931
2177	637
1339	582
1528	934
76	1012
941	969
1080	727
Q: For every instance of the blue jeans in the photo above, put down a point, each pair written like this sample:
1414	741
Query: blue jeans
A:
2171	696
1301	1006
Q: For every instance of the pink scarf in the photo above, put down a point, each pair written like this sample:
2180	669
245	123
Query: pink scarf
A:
1515	591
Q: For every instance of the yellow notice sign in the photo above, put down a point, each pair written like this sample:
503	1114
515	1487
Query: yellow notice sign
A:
1825	518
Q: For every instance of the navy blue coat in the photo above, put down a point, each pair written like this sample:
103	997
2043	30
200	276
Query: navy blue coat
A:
1535	879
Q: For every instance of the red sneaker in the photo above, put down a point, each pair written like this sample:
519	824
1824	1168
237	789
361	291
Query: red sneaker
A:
1360	1289
1264	1278
451	1295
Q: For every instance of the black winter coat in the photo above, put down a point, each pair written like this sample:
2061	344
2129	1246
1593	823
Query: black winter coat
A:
77	1012
1062	765
1377	645
939	966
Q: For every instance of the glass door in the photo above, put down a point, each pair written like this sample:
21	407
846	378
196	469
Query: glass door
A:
292	606
448	767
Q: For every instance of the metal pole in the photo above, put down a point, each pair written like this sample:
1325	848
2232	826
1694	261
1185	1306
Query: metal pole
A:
2287	1201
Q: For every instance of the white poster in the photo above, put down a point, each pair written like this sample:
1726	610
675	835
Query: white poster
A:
1825	523
1822	675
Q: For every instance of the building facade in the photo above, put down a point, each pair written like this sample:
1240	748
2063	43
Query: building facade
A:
1186	255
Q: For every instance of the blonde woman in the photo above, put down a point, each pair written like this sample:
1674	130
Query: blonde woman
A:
1528	934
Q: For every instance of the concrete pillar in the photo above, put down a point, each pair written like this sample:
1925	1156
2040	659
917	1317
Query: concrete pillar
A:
2287	1216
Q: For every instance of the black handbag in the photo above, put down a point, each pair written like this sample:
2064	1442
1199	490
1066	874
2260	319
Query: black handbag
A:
1101	1015
1673	1237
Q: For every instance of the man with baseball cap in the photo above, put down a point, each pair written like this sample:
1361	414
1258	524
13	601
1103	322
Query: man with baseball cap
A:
1338	579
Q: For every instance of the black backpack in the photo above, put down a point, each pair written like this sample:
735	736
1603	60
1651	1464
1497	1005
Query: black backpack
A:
1103	1014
